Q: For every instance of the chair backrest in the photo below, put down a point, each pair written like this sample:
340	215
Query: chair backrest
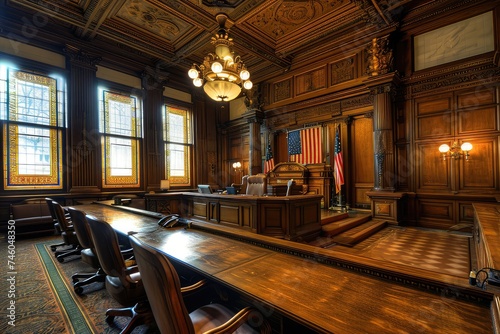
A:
163	288
290	185
61	218
107	248
256	185
244	184
51	208
81	227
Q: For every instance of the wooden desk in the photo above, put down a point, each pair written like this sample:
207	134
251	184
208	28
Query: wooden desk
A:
123	219
291	218
292	281
281	189
487	235
323	298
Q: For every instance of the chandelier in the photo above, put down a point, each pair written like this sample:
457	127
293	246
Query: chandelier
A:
222	74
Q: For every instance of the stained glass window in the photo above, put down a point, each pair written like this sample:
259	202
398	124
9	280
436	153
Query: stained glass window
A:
33	109
178	145
121	126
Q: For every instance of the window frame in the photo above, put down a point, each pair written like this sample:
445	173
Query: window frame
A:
108	180
187	180
55	127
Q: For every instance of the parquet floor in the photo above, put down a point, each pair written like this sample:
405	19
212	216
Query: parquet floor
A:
434	250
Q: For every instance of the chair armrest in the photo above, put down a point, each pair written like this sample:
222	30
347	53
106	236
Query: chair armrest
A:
131	270
127	253
232	324
193	287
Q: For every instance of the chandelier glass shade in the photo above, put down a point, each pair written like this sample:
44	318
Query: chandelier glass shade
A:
222	74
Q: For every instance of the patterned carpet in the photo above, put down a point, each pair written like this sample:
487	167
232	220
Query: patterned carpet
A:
44	305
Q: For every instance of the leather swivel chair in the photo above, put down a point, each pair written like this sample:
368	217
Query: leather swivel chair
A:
123	282
88	252
68	234
57	229
241	188
165	295
256	185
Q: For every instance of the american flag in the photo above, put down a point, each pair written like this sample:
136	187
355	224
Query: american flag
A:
304	146
269	163
339	163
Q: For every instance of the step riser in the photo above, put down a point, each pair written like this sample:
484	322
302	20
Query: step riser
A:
336	228
360	236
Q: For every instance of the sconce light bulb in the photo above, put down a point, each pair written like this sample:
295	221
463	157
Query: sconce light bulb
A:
466	147
444	148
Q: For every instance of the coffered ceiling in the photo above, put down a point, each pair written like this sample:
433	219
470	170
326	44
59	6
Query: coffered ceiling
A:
269	35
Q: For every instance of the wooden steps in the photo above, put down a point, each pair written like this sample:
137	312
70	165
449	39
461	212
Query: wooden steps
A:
359	233
333	217
345	224
346	229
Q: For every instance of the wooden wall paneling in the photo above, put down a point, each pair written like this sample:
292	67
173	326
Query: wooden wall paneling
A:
434	213
361	199
85	153
362	159
281	145
310	81
465	213
480	172
433	173
154	150
477	121
477	111
480	96
235	147
404	166
433	117
344	70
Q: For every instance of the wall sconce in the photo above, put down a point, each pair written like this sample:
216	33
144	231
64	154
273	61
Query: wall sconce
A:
165	185
455	151
237	166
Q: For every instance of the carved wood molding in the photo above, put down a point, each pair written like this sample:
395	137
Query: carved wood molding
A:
449	81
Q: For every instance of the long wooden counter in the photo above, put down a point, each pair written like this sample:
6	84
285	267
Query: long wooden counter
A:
323	298
314	288
289	217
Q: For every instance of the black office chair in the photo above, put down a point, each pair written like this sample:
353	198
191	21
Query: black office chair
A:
165	295
68	234
88	252
123	282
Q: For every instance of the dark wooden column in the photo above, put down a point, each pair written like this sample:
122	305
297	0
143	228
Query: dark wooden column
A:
154	167
254	118
84	159
382	85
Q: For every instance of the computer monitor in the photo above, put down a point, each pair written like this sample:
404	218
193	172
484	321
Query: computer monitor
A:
204	189
231	190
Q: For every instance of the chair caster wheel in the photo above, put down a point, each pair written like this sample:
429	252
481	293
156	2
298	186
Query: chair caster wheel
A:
78	290
60	259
